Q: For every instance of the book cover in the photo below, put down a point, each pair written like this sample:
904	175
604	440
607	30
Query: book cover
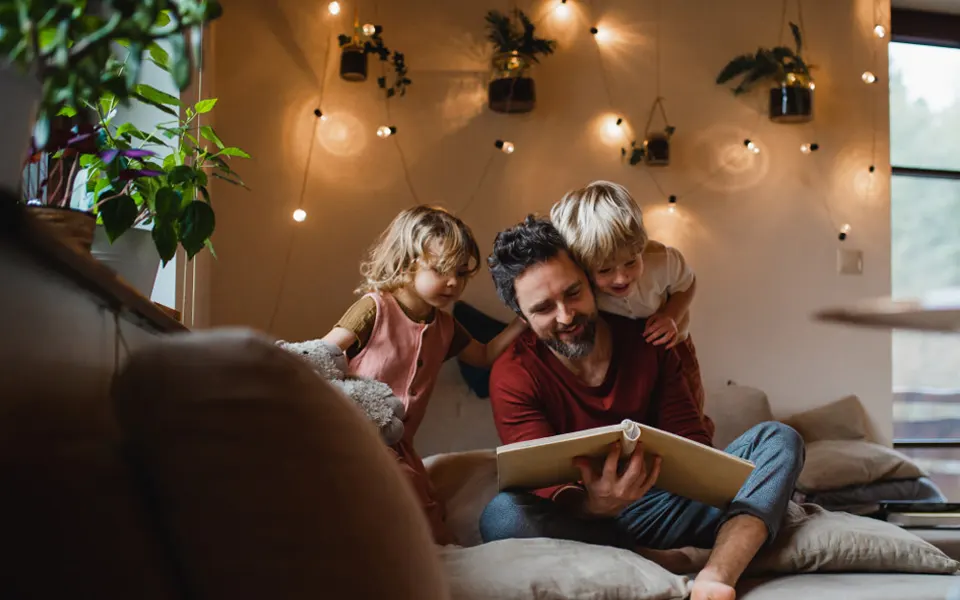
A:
687	468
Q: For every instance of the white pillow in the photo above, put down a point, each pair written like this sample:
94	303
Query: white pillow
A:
521	569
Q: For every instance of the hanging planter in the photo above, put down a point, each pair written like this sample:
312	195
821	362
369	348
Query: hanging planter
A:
511	88
791	103
353	58
791	97
655	149
353	63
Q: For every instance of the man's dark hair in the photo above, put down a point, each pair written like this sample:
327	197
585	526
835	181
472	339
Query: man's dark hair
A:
515	250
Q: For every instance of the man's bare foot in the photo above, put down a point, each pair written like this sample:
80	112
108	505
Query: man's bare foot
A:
681	561
707	588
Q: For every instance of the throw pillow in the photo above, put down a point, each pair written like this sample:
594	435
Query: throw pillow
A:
815	540
520	569
734	409
843	419
268	482
483	328
865	499
834	464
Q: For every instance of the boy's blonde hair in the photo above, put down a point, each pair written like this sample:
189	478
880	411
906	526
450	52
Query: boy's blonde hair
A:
403	248
598	221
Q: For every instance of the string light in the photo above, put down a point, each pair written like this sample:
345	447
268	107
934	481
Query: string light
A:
868	77
320	115
299	215
751	146
673	204
844	231
562	9
880	31
873	168
505	147
334	8
813	86
385	131
369	29
808	148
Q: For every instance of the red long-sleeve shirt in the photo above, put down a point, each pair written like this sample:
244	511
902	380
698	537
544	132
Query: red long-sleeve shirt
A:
534	395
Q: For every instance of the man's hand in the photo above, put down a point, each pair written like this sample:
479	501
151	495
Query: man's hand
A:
661	329
608	492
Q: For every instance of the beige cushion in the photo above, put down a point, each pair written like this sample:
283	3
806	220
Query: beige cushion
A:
814	539
465	482
523	569
851	586
271	484
842	419
734	409
835	464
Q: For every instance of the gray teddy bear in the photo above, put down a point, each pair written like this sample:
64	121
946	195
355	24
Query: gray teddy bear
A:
375	398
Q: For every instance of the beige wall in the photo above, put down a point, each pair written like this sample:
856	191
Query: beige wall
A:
754	227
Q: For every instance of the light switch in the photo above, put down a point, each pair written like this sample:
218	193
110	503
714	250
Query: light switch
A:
849	262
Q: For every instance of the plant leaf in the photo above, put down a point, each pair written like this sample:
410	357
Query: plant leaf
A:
208	134
233	151
118	215
158	54
165	239
180	175
162	107
209	246
737	66
196	226
166	205
157	96
205	106
180	65
796	37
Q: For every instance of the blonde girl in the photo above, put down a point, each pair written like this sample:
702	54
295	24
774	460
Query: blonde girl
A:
397	331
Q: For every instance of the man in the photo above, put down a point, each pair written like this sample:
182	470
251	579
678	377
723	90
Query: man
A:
575	369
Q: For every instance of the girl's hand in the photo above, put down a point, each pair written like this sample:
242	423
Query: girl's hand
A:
661	329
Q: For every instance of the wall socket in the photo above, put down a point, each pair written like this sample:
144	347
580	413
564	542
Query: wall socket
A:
849	262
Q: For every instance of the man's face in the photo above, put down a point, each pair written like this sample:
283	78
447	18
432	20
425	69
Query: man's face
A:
556	300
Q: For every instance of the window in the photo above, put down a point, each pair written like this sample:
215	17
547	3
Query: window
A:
925	244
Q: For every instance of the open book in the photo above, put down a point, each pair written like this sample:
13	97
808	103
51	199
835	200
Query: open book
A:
687	468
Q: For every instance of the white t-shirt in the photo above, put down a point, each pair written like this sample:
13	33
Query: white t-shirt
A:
665	272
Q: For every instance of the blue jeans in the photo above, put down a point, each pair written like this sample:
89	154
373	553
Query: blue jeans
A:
662	520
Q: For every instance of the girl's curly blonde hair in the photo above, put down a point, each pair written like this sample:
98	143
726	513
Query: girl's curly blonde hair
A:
419	237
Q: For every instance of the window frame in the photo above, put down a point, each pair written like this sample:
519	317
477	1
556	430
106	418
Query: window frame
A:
925	29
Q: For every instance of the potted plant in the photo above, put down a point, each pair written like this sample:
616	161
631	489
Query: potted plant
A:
56	57
791	98
365	40
158	179
516	49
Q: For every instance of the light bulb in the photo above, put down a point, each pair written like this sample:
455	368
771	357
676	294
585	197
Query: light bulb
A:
613	127
868	77
369	29
385	131
672	208
299	215
562	10
846	228
751	146
805	148
813	86
505	147
602	35
334	8
319	114
880	31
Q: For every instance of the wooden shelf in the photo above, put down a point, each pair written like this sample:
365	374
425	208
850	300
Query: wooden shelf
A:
84	270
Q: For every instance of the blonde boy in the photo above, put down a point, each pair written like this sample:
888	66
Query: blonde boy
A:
633	276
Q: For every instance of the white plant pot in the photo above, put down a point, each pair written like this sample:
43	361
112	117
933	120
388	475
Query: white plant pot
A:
18	108
133	256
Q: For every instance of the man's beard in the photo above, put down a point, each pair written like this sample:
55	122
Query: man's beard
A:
582	345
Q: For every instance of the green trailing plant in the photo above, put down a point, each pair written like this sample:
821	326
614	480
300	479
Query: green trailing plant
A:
517	35
372	43
158	177
67	44
781	65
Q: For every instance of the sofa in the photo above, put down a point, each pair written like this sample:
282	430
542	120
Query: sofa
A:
217	465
